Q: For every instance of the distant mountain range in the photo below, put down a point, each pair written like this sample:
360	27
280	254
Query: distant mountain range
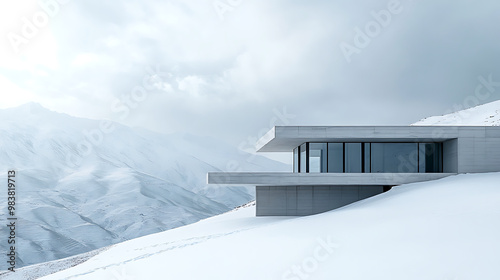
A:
85	184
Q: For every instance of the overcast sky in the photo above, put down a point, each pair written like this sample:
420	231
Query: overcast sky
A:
233	68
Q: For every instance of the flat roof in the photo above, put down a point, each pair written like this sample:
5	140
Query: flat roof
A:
286	138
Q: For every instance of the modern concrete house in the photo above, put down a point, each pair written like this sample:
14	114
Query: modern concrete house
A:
336	166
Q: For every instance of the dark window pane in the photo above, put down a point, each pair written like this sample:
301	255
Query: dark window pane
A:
303	158
335	157
317	157
430	158
296	160
394	157
353	159
367	161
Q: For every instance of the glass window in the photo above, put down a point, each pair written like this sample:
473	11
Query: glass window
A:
394	157
296	160
368	158
303	158
367	155
353	158
336	157
430	158
317	157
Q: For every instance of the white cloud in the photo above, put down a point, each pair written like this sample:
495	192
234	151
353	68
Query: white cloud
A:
84	59
192	85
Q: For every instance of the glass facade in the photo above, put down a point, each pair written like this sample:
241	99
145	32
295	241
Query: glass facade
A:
335	157
394	158
430	158
367	147
368	158
317	157
353	158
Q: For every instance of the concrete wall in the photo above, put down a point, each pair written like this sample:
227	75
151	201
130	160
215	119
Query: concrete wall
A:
309	200
478	154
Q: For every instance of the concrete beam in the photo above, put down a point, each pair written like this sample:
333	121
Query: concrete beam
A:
320	179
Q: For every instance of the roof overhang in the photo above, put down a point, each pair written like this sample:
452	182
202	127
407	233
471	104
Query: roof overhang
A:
286	138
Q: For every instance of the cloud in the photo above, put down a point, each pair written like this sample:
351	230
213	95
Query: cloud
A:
193	85
227	77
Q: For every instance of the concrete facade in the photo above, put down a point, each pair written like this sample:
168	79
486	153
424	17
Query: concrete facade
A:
466	149
308	200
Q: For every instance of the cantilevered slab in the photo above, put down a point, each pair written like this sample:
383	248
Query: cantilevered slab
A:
286	138
320	179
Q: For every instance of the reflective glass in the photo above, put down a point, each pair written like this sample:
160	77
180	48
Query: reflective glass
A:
317	157
367	155
394	158
336	157
430	158
353	158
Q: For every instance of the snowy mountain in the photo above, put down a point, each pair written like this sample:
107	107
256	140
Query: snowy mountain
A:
486	114
85	184
445	229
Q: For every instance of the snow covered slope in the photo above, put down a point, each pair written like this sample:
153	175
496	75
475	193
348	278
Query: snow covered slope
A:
80	188
39	270
445	229
487	114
